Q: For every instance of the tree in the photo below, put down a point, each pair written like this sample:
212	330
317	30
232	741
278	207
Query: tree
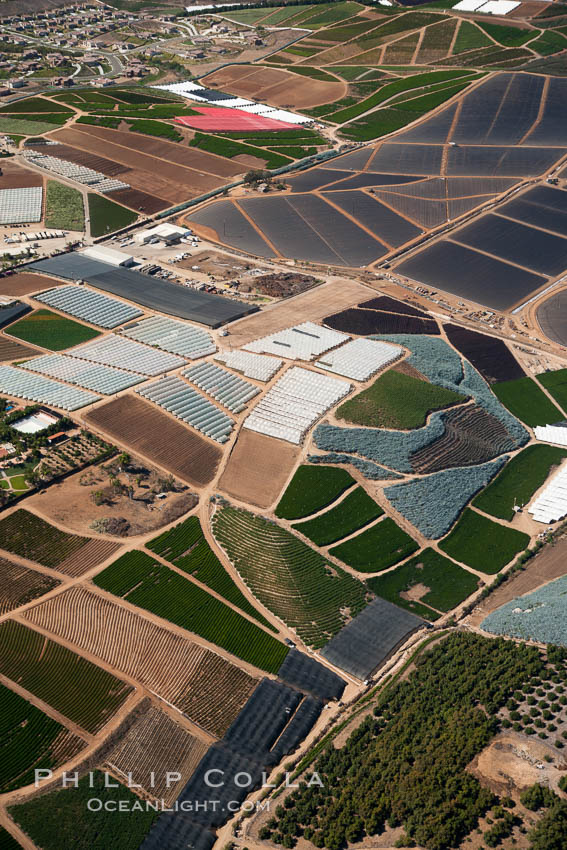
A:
123	460
550	832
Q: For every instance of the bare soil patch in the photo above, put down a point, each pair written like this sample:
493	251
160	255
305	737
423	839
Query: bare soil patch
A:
149	174
90	555
549	564
140	201
144	428
221	265
15	177
71	503
24	283
310	306
12	350
279	284
277	87
258	468
513	761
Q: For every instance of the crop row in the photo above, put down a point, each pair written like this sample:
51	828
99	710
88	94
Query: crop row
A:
80	690
368	469
25	534
289	577
186	547
376	548
354	512
139	579
310	490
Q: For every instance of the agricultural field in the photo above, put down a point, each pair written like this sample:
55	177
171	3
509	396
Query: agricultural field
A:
428	585
556	385
397	400
542	615
482	544
148	431
381	546
150	585
25	534
527	401
311	489
488	354
185	547
52	331
291	579
519	480
60	819
353	512
29	739
64	208
204	686
81	691
106	216
21	585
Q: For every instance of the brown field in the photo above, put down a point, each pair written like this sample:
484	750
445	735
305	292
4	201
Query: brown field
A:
310	306
207	688
24	283
145	429
156	743
88	556
12	350
277	87
149	173
97	163
258	468
20	585
548	565
192	158
140	201
15	177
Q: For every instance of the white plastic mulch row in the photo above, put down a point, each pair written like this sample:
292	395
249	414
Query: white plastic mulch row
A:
552	434
551	504
91	306
295	403
79	173
173	336
301	342
360	358
20	384
189	405
93	376
113	350
257	366
230	390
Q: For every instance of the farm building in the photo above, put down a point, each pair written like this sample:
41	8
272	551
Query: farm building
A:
556	433
168	233
108	255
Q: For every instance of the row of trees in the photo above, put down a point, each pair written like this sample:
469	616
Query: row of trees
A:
406	764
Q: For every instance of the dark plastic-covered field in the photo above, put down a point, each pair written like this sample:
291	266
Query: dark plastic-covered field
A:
365	322
368	640
232	228
470	274
382	221
489	355
541	206
309	675
391	305
518	243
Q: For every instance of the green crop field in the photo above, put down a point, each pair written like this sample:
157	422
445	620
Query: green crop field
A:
29	739
442	584
36	105
61	819
482	544
527	401
519	480
229	148
24	127
556	385
64	208
470	37
49	330
357	510
156	128
144	582
80	690
377	548
396	400
106	216
25	534
311	489
186	547
290	578
7	842
508	36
